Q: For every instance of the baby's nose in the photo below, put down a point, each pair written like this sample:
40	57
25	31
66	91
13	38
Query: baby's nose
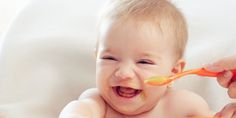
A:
125	72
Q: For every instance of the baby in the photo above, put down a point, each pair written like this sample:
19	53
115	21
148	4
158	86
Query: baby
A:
138	39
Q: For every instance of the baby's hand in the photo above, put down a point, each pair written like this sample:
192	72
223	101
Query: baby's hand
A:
229	111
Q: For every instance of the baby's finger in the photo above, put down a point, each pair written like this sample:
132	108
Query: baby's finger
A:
232	90
224	78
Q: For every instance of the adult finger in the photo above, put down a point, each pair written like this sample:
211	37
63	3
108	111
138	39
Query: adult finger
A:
224	78
228	111
232	90
227	63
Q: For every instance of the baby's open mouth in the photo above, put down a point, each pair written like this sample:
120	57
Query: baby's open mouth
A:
126	92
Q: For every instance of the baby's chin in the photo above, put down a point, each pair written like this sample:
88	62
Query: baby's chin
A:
129	111
133	101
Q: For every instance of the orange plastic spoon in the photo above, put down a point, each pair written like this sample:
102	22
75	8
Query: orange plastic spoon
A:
160	80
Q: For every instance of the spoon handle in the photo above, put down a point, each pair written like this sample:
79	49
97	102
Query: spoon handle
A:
203	72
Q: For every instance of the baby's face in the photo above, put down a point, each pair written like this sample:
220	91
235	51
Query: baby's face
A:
126	55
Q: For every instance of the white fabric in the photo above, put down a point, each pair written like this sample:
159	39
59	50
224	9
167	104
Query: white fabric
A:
47	56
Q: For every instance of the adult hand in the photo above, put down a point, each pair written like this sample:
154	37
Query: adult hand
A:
229	111
225	78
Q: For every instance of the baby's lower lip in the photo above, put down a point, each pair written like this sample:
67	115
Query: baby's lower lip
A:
126	92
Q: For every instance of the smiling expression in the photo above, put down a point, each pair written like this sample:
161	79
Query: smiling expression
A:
126	55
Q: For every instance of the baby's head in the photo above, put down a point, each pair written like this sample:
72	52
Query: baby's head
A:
138	39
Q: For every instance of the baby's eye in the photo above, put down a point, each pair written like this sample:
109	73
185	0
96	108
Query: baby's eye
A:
146	61
109	58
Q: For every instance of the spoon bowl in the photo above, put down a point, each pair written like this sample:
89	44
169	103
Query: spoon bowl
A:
162	80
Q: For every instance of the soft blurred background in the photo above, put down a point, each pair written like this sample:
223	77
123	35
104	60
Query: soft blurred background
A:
47	54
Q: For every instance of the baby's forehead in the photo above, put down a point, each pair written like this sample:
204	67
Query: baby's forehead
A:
146	27
149	17
132	31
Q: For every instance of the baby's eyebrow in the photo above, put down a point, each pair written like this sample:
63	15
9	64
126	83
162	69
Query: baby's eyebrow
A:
146	54
150	56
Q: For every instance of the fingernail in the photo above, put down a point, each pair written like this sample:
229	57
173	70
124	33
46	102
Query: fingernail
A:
227	74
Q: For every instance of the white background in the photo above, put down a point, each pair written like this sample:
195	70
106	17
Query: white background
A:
8	9
212	35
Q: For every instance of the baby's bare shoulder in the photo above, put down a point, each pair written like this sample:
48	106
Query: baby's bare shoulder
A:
95	100
187	102
90	93
89	104
185	95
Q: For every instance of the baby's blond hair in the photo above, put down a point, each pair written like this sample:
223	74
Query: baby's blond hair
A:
161	13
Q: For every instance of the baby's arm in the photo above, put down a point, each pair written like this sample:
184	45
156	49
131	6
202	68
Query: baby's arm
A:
89	105
199	107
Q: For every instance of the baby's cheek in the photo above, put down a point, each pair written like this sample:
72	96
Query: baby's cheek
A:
134	85
143	96
155	92
101	80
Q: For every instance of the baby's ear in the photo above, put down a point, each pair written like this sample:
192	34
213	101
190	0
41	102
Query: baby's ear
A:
179	66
